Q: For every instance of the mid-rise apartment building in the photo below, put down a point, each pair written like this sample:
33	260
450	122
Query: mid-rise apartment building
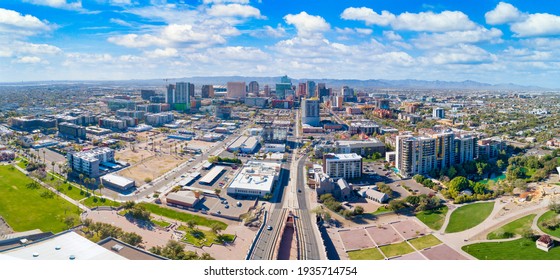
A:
347	166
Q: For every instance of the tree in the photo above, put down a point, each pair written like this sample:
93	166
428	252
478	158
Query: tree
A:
457	185
131	238
358	210
479	188
69	221
191	224
216	229
217	191
100	187
451	172
554	206
519	184
500	164
397	205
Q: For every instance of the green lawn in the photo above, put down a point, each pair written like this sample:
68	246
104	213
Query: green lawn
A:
25	209
382	209
512	229
547	216
433	218
22	162
495	179
68	189
519	249
469	216
424	242
181	216
162	224
366	254
398	249
199	238
94	201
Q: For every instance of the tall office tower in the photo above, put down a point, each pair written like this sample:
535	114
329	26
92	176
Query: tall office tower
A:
445	157
301	90
284	87
438	113
347	92
337	102
310	112
207	91
465	148
311	88
382	103
415	155
183	93
170	94
147	93
266	90
254	87
322	90
236	90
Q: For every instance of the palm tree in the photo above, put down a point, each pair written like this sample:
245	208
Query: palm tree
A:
44	152
81	176
100	187
53	164
191	224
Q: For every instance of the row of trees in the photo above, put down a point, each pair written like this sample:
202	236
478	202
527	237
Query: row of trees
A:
417	203
216	159
175	250
99	231
479	191
331	203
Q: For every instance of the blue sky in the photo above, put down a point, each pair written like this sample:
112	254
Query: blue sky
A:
487	41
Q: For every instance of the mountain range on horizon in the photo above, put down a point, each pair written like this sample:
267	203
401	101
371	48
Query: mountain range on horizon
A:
354	83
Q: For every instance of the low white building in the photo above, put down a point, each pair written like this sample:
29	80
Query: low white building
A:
257	178
274	148
117	182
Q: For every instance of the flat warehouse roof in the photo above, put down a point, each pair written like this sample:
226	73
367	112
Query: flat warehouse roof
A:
211	176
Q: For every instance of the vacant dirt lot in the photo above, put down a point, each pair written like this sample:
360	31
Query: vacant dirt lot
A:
152	168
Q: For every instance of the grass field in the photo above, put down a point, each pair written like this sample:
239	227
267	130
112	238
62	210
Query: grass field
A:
68	189
424	242
512	229
547	216
181	216
398	249
199	238
433	218
382	209
519	249
469	216
25	209
162	224
94	201
366	254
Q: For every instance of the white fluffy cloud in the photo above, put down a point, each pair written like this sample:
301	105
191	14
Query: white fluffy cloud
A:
462	54
13	23
170	36
29	60
158	53
307	24
503	13
234	10
60	4
429	21
537	25
480	34
368	16
424	21
225	1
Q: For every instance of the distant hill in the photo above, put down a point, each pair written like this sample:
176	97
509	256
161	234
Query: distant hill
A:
335	83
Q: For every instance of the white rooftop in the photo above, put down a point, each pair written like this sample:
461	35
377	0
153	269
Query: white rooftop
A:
117	180
345	157
61	247
256	175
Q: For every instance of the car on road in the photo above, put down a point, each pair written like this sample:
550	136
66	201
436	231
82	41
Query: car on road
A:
269	227
298	190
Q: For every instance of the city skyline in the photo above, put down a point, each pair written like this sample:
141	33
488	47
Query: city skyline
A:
491	42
